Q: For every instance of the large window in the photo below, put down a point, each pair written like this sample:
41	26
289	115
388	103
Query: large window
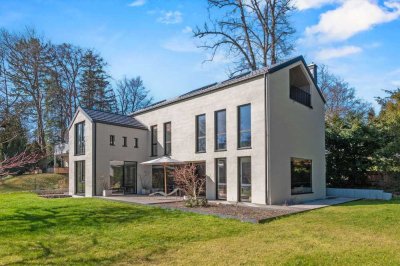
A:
301	171
221	178
167	138
80	177
244	126
299	86
245	178
154	141
80	138
123	175
220	130
158	178
201	133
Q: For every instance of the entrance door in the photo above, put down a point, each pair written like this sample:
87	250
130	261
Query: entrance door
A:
130	177
80	177
221	178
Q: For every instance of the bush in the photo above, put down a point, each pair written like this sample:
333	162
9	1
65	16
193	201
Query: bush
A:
196	202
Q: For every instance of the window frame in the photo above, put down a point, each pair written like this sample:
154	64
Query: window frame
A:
154	152
216	131
80	148
168	143
197	133
136	142
240	168
82	164
124	142
291	177
112	140
239	131
217	178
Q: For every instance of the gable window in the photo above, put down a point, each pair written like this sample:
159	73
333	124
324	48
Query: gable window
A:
167	138
125	142
153	140
301	176
112	140
201	133
299	86
244	126
220	130
136	143
80	138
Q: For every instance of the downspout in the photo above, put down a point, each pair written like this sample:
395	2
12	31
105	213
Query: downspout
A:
267	118
94	144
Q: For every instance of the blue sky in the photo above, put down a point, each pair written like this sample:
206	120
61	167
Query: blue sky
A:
357	39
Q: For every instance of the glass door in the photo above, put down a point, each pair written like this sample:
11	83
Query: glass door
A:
245	178
221	178
80	177
130	177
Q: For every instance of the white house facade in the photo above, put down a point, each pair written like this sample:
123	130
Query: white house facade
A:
258	137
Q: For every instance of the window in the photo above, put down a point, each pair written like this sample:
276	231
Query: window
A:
245	178
123	174
80	138
301	174
299	86
221	178
244	126
80	177
136	143
154	141
112	140
201	133
125	140
220	130
167	138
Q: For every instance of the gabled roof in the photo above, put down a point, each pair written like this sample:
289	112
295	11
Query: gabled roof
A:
110	118
233	80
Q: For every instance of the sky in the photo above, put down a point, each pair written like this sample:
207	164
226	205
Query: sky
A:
358	40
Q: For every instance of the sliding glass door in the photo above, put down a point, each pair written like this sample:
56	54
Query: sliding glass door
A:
221	178
80	177
130	177
245	179
123	175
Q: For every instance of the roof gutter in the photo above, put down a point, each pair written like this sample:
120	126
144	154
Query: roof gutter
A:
267	127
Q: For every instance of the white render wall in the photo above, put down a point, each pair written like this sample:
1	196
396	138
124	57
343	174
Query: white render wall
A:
182	117
295	131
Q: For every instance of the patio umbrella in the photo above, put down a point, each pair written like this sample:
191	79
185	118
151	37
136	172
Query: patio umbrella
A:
164	161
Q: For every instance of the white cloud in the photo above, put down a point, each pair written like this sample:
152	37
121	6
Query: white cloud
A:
307	4
330	53
352	17
170	17
137	3
187	29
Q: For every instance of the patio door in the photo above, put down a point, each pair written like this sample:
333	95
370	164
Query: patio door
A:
245	179
80	177
130	177
221	178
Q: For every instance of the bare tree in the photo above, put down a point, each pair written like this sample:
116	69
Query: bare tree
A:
340	97
254	33
20	161
132	95
185	178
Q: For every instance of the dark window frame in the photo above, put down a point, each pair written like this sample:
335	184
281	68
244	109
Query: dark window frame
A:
80	140
124	142
197	134
153	145
112	140
216	131
217	177
239	131
135	142
168	143
83	180
291	176
240	178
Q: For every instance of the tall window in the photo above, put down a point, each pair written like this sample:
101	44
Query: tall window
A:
201	133
245	178
301	176
154	141
220	130
125	142
244	126
221	178
112	140
167	138
80	177
80	138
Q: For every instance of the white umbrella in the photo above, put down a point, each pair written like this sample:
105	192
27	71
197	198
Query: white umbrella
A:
164	161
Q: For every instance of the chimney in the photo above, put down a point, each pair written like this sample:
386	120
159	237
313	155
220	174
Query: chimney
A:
314	71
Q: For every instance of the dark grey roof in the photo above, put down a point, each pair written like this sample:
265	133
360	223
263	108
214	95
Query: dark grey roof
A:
113	119
233	80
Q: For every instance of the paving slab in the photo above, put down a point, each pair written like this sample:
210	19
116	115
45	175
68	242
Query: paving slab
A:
143	199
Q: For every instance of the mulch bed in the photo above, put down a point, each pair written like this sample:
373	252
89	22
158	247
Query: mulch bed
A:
242	213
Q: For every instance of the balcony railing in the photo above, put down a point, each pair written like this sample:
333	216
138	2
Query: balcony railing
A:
300	96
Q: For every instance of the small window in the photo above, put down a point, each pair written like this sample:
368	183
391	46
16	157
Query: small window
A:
201	133
301	176
244	126
136	143
112	140
220	130
167	138
154	141
125	141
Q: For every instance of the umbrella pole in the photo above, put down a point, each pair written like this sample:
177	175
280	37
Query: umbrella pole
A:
165	179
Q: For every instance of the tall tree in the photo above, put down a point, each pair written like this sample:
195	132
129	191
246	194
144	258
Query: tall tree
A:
132	95
95	90
254	33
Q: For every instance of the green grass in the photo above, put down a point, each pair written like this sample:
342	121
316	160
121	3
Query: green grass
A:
87	231
33	182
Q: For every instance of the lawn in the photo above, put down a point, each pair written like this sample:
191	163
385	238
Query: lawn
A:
88	231
33	182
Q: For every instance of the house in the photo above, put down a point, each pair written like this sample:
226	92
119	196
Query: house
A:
259	137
